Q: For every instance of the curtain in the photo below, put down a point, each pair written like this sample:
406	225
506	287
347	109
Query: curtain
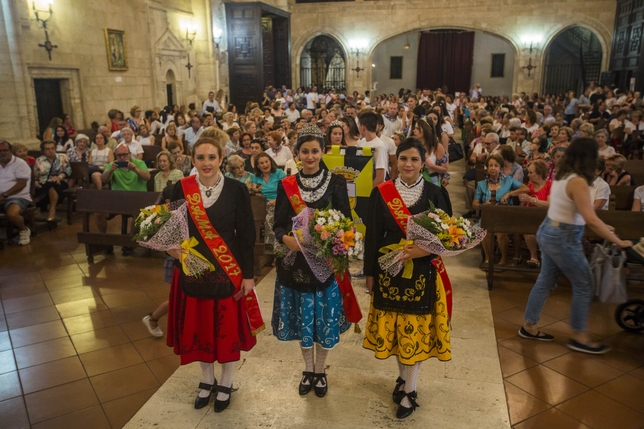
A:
445	59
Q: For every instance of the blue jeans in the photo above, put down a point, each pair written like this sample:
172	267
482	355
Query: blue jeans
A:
562	253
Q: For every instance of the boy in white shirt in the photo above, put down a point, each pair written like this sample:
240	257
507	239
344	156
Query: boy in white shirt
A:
368	125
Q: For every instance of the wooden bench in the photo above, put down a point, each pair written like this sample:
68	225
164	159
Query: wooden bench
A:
125	203
258	205
636	169
621	197
526	220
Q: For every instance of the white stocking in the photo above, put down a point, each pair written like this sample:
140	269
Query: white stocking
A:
226	379
207	376
410	382
320	361
402	373
307	354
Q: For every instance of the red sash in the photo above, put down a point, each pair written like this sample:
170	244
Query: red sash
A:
351	306
220	250
401	215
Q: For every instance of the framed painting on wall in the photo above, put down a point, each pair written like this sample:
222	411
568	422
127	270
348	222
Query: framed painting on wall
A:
116	50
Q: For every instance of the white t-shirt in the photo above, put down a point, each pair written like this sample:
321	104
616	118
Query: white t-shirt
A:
280	158
15	169
212	104
450	109
225	126
135	148
639	195
389	144
601	191
100	158
63	148
531	129
391	127
292	115
311	100
447	128
609	150
380	153
143	141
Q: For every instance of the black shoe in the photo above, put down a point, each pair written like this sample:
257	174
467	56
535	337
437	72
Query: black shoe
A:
109	250
404	412
469	214
320	391
398	394
539	336
306	388
126	251
585	348
222	405
202	402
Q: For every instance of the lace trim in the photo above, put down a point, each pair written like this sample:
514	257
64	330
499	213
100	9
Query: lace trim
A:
215	191
410	193
313	187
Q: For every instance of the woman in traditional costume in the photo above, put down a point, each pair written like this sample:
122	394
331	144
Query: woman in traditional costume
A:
408	317
213	317
305	308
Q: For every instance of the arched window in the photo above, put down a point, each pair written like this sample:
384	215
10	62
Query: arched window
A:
323	64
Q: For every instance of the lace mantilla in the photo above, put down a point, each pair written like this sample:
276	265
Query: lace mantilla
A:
410	194
211	195
313	187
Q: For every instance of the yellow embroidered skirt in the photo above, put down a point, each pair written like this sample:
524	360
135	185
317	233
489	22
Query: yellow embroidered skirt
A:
411	337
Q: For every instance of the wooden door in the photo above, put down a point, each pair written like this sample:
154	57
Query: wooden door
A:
49	102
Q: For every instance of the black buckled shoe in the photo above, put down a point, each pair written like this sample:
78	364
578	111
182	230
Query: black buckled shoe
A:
202	402
222	405
306	388
320	391
398	394
404	412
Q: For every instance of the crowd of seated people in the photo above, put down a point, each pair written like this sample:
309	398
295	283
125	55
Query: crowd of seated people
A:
523	136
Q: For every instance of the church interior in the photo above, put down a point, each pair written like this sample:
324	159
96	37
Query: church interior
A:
75	285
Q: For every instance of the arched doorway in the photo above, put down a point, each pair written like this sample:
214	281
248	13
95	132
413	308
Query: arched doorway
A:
170	87
573	60
323	64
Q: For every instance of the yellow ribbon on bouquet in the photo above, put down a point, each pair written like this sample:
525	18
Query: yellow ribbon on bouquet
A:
190	245
408	266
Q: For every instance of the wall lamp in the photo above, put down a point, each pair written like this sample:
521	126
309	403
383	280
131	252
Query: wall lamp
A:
357	46
217	35
42	16
191	33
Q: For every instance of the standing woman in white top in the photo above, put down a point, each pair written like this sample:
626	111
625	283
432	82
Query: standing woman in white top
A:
98	158
559	238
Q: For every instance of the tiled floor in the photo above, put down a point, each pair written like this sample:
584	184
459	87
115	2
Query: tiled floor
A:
549	386
74	354
73	350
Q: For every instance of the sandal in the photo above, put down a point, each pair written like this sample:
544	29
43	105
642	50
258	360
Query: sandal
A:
515	262
533	263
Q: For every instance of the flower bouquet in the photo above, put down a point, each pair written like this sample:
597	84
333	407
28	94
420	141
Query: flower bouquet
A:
165	227
433	231
327	239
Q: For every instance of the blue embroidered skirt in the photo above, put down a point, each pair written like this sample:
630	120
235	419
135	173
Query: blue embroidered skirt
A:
312	317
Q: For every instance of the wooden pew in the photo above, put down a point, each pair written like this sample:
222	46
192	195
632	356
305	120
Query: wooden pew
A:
636	169
526	220
258	205
125	203
621	197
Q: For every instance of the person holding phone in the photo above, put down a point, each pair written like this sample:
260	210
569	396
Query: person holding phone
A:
126	173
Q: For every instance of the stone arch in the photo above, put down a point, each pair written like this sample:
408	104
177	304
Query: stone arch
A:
603	34
300	44
171	75
323	63
514	44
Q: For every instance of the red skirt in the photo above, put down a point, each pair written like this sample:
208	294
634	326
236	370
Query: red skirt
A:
206	330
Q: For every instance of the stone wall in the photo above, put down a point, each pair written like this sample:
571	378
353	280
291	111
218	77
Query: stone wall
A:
155	43
379	20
